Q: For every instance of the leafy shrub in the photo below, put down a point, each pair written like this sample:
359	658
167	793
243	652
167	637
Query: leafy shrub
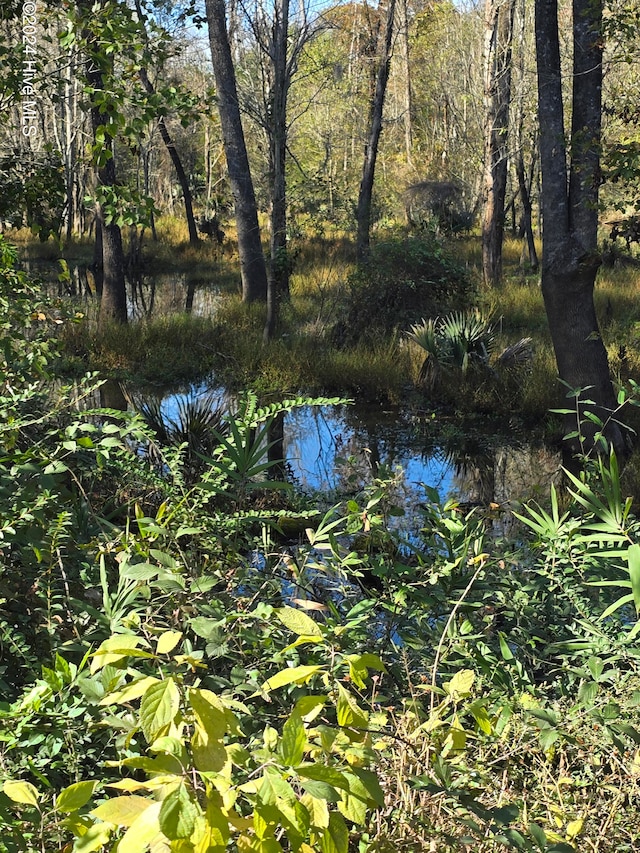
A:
404	279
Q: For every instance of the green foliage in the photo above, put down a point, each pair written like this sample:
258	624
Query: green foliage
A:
457	341
404	279
176	678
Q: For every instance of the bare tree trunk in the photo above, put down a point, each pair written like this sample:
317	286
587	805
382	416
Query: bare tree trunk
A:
110	264
252	265
570	259
278	280
177	164
403	29
371	149
499	38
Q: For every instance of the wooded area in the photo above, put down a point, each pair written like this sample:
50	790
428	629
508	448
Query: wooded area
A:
427	205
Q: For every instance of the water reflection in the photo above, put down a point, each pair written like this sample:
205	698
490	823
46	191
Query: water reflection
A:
340	450
148	296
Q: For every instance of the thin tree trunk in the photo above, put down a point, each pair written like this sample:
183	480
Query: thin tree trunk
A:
278	281
252	264
177	164
499	38
371	149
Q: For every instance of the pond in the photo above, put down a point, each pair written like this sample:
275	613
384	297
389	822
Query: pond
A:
338	450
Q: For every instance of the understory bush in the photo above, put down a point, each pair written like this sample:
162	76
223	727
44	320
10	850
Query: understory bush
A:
181	674
403	280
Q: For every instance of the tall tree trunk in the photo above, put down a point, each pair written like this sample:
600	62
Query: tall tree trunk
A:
113	303
407	94
278	279
371	149
570	259
499	39
252	264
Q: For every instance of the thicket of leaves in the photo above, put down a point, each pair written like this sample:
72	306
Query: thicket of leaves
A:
180	677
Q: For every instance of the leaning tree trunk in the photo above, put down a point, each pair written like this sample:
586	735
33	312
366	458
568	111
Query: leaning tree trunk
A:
177	164
570	259
371	149
252	265
499	38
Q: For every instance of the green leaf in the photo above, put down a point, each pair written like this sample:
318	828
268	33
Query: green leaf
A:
298	622
142	831
168	641
335	838
159	707
461	683
178	814
538	835
122	811
95	838
291	675
633	559
73	797
293	741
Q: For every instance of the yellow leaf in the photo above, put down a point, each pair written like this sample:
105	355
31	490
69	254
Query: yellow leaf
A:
168	641
461	683
128	785
123	811
142	832
21	792
574	828
132	691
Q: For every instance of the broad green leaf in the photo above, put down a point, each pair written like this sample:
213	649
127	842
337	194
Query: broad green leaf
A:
353	808
75	796
168	641
538	835
359	666
308	707
132	691
21	792
322	773
366	785
318	810
293	740
335	838
122	811
95	838
461	683
298	622
116	648
211	725
320	790
348	713
291	675
159	707
178	814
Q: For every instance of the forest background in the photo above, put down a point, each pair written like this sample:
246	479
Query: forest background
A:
195	657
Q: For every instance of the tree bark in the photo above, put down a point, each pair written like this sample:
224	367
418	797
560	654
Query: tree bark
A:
110	264
278	280
252	264
499	39
371	149
570	259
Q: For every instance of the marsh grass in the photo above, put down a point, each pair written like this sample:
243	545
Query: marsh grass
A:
304	355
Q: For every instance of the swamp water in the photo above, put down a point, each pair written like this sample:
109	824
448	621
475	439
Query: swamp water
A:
337	451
